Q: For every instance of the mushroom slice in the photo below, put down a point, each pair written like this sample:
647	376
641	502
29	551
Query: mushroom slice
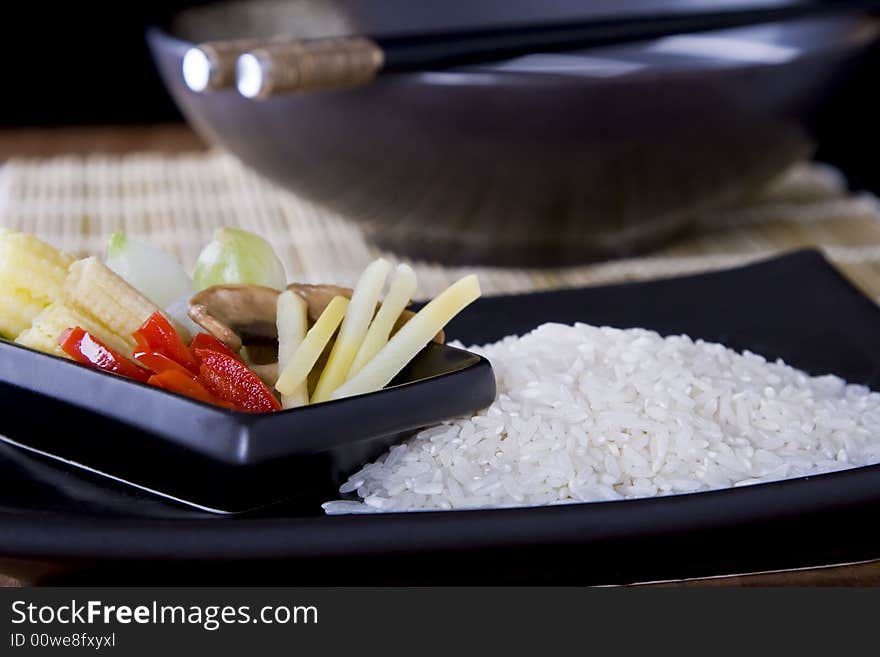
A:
318	296
236	314
200	314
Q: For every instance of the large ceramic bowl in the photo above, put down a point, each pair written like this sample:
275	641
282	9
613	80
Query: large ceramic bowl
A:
536	160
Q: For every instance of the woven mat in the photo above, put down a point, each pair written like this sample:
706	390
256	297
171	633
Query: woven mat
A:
178	200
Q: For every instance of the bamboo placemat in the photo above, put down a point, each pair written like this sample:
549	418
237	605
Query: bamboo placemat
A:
178	200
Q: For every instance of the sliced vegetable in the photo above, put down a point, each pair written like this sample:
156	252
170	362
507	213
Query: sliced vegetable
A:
411	338
244	309
237	256
231	380
31	275
93	290
85	348
58	317
237	314
296	372
208	341
402	289
292	318
158	363
17	310
183	383
354	328
159	336
153	271
318	297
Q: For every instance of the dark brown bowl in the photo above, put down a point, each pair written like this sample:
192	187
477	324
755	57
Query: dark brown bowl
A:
543	159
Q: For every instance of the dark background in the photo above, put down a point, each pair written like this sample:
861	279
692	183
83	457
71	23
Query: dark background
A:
82	62
87	63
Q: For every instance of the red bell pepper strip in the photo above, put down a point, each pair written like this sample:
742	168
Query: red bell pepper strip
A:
85	348
158	335
180	381
208	341
158	363
230	379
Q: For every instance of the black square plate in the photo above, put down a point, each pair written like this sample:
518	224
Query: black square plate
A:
796	307
217	459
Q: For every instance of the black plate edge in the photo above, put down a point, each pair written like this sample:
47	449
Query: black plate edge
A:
478	366
54	458
236	435
571	524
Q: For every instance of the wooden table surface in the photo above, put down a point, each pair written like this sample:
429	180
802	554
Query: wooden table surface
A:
48	142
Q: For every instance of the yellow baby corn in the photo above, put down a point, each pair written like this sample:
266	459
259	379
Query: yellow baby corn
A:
12	242
94	290
31	275
57	318
17	311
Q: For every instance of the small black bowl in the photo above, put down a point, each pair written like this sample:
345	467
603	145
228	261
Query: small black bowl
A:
217	459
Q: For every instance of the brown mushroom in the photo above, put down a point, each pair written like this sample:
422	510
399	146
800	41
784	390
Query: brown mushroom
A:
317	297
238	315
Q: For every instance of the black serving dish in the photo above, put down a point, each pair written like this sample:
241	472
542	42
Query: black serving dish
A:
59	526
217	459
541	159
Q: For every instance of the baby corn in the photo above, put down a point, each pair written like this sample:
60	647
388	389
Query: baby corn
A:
57	318
90	296
17	310
93	290
31	276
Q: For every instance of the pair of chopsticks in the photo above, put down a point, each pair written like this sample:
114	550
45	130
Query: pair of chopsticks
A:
266	67
261	68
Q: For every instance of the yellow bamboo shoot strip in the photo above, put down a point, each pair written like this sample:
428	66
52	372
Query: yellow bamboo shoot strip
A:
296	372
292	318
411	338
354	328
402	289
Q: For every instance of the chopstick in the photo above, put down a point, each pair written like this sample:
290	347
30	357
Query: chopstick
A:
267	67
210	66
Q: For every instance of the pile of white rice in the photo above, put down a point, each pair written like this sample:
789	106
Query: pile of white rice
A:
585	413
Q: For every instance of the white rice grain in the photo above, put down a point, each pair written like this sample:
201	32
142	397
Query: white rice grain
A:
587	414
